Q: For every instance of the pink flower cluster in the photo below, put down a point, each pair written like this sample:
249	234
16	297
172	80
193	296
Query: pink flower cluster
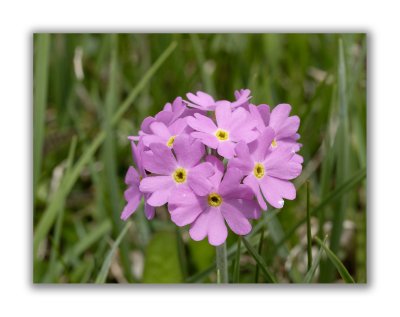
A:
214	163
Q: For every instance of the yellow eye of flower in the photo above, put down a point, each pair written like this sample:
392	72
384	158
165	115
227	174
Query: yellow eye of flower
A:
274	144
179	175
259	170
214	200
171	140
222	135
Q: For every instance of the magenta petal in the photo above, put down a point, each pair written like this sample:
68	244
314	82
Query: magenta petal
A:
218	169
249	208
178	126
226	149
223	113
202	99
159	198
151	138
188	151
198	179
289	127
232	179
259	148
278	116
159	160
251	181
131	206
207	139
243	161
153	183
275	190
217	231
199	228
235	219
160	129
201	123
132	176
184	206
149	211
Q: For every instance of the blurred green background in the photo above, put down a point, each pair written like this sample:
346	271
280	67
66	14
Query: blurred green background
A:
93	90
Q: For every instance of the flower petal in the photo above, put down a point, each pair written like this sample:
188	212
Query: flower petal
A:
153	183
131	206
202	99
223	115
201	123
159	160
149	211
188	151
198	178
226	149
235	219
159	198
218	169
131	177
207	139
289	127
160	129
184	206
259	148
278	116
251	181
275	190
217	231
249	208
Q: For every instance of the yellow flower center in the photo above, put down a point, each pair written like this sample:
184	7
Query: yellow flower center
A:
222	135
214	200
274	144
179	175
259	170
171	140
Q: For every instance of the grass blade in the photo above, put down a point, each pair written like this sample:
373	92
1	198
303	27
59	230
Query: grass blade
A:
336	262
41	63
260	261
309	250
342	159
236	272
49	215
311	271
259	252
101	278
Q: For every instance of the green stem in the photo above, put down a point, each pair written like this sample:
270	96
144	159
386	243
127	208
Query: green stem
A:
222	264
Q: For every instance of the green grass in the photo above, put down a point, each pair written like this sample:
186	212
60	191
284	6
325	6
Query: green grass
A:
81	154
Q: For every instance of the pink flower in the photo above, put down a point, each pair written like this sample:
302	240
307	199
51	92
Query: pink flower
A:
174	174
267	170
133	195
231	128
242	97
164	134
227	200
201	101
285	127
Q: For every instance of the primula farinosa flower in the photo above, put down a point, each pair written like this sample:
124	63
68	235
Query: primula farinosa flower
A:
205	102
284	126
267	170
133	195
163	134
230	128
227	200
174	173
215	163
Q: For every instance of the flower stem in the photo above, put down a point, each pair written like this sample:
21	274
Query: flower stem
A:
222	264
